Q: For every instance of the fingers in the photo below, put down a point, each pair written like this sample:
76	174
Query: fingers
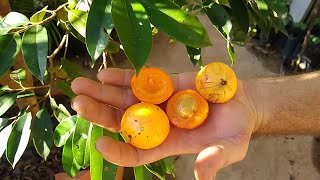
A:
108	94
124	154
219	155
116	76
98	113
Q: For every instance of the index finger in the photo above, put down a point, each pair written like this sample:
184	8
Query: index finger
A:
122	77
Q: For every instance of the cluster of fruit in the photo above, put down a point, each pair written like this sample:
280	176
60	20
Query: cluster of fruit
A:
145	125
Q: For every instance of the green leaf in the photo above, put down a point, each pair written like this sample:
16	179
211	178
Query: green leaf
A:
169	18
3	123
141	173
38	16
18	139
219	17
132	24
35	50
4	134
69	163
78	20
231	52
81	142
99	20
73	70
277	23
162	167
4	28
25	94
9	48
278	6
18	75
60	112
194	55
261	17
64	130
6	102
42	133
73	3
240	12
66	88
100	169
16	19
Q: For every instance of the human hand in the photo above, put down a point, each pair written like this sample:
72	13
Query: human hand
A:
221	140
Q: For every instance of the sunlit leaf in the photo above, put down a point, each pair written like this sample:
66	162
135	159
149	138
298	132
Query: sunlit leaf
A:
142	173
69	163
231	52
81	142
100	168
6	102
64	130
9	47
78	20
4	134
240	12
38	16
133	27
194	55
42	133
16	19
4	28
169	18
18	75
60	112
18	139
35	50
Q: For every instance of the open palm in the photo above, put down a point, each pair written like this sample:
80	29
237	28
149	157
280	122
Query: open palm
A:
222	140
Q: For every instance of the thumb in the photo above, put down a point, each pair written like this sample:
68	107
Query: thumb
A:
208	162
219	155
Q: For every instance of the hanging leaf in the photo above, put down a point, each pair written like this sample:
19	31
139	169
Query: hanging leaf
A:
4	134
194	55
3	123
169	18
69	163
9	48
6	102
112	47
99	21
260	16
72	3
66	88
42	133
64	130
277	23
4	28
18	139
133	26
141	173
161	168
100	168
60	112
78	20
38	16
240	12
218	17
81	142
35	50
231	52
16	19
18	75
279	6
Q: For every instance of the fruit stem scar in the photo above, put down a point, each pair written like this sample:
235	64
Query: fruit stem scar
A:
223	82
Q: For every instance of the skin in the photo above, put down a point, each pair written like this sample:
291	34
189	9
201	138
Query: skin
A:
280	105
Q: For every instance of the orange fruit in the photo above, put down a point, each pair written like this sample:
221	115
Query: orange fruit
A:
187	109
216	82
152	85
145	125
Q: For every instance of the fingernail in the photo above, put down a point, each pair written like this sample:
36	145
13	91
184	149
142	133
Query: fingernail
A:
72	106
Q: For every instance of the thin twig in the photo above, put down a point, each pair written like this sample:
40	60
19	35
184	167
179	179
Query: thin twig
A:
112	60
104	60
56	51
30	88
48	19
66	46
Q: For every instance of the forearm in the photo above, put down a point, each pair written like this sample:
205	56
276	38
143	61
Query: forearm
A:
286	105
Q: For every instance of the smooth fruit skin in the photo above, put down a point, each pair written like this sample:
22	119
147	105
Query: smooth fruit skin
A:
216	82
187	109
152	85
145	125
